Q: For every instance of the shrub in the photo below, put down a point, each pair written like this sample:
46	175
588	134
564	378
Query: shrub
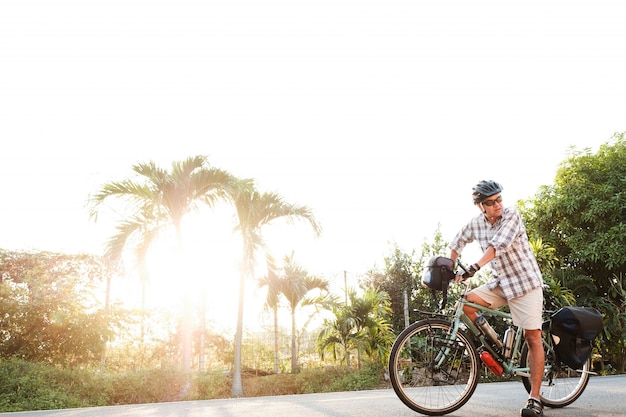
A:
33	386
146	386
213	385
367	378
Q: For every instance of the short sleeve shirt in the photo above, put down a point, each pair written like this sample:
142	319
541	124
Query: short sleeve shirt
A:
514	267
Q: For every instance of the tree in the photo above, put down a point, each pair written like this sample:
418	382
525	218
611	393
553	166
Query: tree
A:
401	280
254	211
556	295
584	213
52	309
583	216
294	285
157	201
398	280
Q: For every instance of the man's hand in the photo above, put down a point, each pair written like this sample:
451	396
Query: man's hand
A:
473	269
460	276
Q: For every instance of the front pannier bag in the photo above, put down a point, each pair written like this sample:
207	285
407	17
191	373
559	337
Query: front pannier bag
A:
438	272
573	330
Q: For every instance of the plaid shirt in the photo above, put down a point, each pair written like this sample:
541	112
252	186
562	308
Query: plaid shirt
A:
514	268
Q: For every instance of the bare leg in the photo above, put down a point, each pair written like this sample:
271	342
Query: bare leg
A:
536	359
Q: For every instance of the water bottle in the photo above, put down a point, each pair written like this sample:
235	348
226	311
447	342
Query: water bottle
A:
488	331
509	338
491	363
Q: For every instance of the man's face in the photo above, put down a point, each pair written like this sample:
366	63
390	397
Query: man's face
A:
492	206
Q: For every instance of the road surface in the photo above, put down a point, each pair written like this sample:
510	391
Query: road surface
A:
604	397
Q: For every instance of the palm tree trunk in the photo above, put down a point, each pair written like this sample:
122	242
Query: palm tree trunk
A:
237	388
187	334
107	309
275	340
202	359
294	352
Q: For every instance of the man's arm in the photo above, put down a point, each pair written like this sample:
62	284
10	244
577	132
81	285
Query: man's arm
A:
487	257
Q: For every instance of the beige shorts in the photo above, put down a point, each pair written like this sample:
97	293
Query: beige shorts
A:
526	310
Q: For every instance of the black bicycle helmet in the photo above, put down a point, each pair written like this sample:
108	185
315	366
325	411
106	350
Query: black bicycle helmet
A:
485	189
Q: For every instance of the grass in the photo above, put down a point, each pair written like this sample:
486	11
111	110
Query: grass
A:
26	386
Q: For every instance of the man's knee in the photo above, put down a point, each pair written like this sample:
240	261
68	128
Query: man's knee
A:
471	311
533	338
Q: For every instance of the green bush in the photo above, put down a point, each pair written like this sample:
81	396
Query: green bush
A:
32	386
146	386
367	378
320	380
26	386
213	385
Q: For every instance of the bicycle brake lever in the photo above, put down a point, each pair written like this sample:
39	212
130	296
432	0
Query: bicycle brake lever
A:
463	267
467	273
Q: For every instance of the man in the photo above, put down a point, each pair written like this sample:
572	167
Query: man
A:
516	278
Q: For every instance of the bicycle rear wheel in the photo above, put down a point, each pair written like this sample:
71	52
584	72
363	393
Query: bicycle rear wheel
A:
430	372
561	385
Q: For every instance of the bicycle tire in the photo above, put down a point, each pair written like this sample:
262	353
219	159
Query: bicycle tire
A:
424	386
561	385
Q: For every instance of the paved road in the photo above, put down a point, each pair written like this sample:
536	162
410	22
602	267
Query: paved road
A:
604	397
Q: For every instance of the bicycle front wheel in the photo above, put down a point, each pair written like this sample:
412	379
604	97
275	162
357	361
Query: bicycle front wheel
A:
561	385
432	372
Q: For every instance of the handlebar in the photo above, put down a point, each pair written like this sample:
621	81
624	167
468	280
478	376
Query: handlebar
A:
467	273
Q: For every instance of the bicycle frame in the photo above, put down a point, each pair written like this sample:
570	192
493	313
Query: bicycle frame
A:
507	364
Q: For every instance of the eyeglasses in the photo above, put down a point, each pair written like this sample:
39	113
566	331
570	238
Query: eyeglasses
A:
490	203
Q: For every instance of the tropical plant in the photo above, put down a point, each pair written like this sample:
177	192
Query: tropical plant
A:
360	326
372	311
339	334
295	284
544	253
156	201
254	211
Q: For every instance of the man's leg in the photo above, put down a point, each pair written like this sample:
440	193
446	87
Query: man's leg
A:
485	297
536	363
470	311
536	359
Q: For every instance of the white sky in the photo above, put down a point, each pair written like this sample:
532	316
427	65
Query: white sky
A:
379	115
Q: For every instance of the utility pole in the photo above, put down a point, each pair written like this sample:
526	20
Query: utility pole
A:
345	285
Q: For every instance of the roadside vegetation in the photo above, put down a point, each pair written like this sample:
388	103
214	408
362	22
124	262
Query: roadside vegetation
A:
35	386
66	342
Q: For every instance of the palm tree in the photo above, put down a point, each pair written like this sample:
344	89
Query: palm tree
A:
372	312
295	285
360	325
255	210
156	201
339	335
272	281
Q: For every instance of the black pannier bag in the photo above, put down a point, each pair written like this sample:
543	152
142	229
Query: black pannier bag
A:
439	271
573	330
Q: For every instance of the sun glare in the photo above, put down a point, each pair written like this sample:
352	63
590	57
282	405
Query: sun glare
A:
204	273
